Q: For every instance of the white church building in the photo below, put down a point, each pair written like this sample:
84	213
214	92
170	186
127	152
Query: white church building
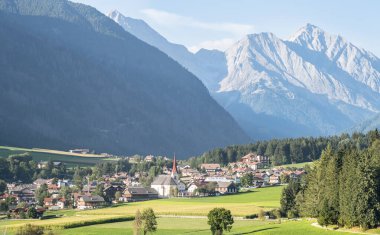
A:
165	185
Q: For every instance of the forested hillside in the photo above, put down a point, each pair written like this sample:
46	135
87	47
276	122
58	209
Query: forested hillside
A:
342	188
70	77
286	151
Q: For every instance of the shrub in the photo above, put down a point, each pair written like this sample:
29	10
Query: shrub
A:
99	221
252	216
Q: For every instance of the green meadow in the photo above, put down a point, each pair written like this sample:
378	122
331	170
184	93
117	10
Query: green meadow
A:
53	155
168	226
188	216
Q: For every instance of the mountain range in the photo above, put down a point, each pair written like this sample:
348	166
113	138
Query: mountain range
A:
313	83
70	77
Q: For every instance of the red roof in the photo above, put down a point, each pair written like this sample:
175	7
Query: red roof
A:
48	199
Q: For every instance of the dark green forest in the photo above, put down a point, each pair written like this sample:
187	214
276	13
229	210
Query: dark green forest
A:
285	151
73	78
342	188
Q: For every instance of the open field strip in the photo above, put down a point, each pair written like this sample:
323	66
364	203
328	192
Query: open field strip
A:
58	152
169	226
180	216
296	165
239	204
45	155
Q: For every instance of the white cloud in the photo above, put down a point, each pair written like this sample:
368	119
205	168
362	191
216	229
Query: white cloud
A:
227	32
221	44
171	19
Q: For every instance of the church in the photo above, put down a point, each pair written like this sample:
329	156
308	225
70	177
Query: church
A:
168	185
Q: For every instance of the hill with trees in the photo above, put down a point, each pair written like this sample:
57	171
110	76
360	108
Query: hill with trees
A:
73	78
342	188
285	151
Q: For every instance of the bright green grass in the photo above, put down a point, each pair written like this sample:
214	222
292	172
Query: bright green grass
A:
263	197
240	204
199	226
40	156
296	165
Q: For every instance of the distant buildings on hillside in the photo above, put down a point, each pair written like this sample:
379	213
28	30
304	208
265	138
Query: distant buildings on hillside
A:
207	179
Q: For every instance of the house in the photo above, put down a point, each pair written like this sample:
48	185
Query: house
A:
134	194
253	157
64	183
44	164
53	188
110	191
91	187
250	157
257	181
149	158
192	188
80	151
263	159
226	188
273	179
39	182
255	165
189	172
210	168
217	179
23	192
15	213
54	203
90	202
165	185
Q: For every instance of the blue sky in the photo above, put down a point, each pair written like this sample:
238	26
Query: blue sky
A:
219	23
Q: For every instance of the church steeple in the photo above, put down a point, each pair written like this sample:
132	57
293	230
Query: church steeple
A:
174	169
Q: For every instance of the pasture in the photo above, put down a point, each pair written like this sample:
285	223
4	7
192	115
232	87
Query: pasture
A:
296	165
168	226
240	204
197	208
71	159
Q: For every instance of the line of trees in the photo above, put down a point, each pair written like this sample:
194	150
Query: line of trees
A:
342	188
22	167
284	151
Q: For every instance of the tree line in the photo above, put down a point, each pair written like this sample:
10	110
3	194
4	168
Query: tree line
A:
284	151
342	188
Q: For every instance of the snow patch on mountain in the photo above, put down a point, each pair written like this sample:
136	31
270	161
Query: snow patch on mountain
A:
313	83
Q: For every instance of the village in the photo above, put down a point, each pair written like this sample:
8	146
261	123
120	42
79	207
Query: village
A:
208	179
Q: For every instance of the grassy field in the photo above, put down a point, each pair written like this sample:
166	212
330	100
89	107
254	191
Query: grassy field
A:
240	205
168	226
296	165
70	159
193	226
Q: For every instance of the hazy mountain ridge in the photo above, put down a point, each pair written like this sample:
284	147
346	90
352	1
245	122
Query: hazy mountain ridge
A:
314	83
207	65
273	78
79	80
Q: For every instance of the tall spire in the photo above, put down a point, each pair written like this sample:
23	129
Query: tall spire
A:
174	169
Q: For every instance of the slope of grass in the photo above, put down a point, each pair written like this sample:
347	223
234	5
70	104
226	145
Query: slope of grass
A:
168	226
240	204
296	165
53	155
